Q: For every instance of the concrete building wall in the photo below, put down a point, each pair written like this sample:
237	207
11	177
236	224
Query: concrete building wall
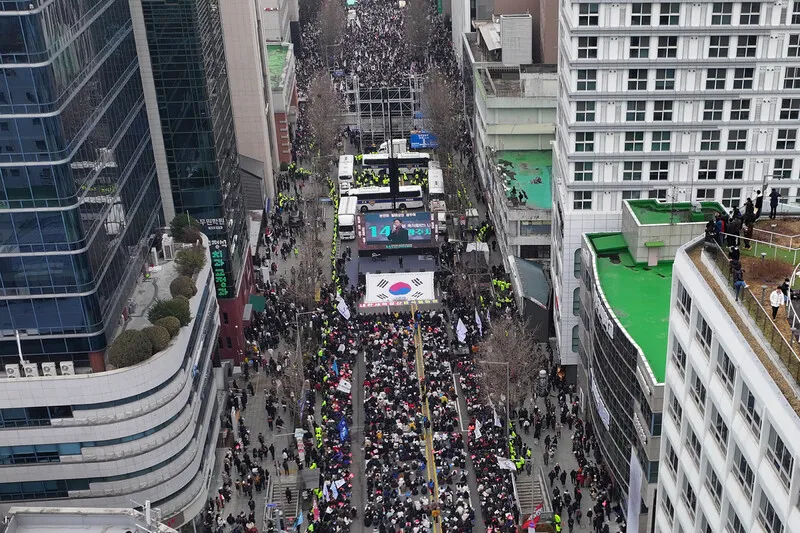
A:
249	97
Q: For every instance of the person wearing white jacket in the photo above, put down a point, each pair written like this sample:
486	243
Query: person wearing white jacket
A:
776	301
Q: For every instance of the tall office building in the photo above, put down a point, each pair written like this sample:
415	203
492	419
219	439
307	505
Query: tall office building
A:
729	449
671	101
186	85
80	199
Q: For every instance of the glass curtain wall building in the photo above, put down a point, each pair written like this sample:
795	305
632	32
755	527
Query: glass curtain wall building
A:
190	79
78	190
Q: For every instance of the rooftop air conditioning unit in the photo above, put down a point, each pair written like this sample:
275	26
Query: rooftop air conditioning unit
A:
31	370
49	369
67	368
13	371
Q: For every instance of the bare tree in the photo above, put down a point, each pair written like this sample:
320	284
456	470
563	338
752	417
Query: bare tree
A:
309	9
417	27
510	359
332	22
323	112
440	111
292	383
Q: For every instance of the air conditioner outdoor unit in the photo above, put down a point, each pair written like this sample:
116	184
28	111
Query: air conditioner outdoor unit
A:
67	368
49	369
13	371
31	370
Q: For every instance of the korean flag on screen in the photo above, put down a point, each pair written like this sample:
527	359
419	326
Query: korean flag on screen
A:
404	289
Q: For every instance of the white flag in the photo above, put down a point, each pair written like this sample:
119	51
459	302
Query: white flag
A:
478	322
461	331
334	491
325	493
478	427
497	419
506	464
343	309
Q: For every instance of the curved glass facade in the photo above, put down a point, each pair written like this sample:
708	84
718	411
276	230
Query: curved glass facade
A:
78	193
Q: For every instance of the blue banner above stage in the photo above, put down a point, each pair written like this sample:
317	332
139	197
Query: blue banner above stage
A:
423	140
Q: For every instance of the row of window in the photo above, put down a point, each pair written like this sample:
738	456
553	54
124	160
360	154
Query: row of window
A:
717	79
667	47
708	169
669	14
15	417
662	110
731	197
661	141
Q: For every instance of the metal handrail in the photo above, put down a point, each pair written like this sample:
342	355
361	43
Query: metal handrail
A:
784	348
769	250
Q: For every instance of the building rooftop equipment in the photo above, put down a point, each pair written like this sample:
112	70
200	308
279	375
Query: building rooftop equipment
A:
82	520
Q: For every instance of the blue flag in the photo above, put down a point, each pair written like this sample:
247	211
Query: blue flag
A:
344	432
299	520
336	367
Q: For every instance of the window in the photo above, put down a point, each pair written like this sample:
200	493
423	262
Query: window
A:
721	13
740	110
725	370
668	507
684	301
712	109
640	14
584	112
718	46
675	410
709	140
715	78
587	80
587	47
707	169
734	523
657	194
577	263
731	197
794	45
672	458
662	110
705	527
698	391
640	47
631	195
689	498
660	141
750	13
782	169
786	140
582	200
576	339
632	171
576	302
796	13
713	485
743	78
634	141
790	109
587	14
637	79
635	111
669	14
583	171
693	445
584	141
665	79
750	409
780	457
734	169
792	78
746	46
719	429
767	516
659	170
668	46
737	139
703	334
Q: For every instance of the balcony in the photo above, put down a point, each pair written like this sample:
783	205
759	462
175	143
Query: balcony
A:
775	343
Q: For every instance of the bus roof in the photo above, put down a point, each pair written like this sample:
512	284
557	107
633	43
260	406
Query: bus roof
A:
366	190
407	155
348	205
345	158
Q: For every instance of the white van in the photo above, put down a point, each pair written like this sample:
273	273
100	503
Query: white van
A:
346	164
399	146
348	209
436	199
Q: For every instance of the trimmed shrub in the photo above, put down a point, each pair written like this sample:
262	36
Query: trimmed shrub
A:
185	228
159	337
131	347
177	307
182	286
170	323
190	262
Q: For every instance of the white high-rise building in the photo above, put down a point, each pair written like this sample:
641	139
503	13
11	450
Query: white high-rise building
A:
676	101
729	448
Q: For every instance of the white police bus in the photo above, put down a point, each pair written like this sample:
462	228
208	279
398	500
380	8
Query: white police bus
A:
379	198
408	162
